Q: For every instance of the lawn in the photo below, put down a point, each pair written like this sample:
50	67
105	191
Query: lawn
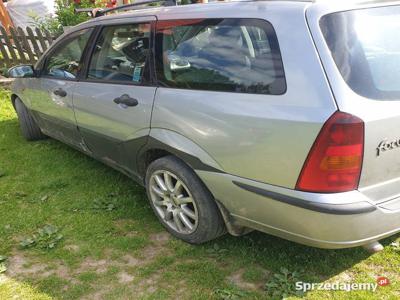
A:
73	228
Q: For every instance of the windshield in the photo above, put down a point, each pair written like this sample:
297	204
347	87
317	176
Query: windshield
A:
365	45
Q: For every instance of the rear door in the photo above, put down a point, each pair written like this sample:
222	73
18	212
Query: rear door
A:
114	100
53	102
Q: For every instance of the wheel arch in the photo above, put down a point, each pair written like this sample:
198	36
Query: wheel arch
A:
147	156
163	142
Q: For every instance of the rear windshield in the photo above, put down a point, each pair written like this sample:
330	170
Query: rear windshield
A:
365	45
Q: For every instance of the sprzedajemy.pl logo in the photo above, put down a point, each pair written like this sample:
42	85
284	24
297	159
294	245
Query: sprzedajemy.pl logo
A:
338	286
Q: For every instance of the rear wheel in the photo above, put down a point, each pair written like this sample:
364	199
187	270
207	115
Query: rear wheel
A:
181	201
29	129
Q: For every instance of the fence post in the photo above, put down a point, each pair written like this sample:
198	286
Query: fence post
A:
25	45
8	43
41	39
22	46
34	42
17	44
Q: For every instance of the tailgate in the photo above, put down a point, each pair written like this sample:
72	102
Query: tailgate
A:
365	77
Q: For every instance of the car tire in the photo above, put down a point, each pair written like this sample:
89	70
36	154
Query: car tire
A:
29	129
170	201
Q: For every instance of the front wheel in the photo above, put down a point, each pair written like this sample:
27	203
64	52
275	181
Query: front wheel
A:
181	202
29	129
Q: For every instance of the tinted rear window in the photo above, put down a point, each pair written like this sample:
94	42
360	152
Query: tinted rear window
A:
232	55
365	45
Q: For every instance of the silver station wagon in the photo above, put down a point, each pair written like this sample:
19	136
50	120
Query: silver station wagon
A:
278	116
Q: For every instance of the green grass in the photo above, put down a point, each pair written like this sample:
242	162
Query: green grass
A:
115	254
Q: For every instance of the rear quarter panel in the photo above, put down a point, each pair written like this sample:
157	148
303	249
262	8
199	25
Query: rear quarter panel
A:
262	137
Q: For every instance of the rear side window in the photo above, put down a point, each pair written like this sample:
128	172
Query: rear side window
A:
64	62
231	55
120	53
365	45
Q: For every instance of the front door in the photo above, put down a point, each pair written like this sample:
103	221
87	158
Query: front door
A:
114	100
53	105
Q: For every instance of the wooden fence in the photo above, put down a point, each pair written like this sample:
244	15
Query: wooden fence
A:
22	47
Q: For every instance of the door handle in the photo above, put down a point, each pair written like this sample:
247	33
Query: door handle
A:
60	92
126	100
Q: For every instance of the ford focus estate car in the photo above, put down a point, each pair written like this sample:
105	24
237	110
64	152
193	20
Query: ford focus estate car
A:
278	116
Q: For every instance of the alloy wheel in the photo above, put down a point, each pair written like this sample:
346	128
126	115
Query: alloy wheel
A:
173	202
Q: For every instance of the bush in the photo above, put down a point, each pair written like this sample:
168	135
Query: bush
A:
65	16
48	23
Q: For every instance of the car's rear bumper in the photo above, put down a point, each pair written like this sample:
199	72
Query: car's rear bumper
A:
321	220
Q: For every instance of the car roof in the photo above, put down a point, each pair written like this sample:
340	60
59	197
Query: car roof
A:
187	9
213	8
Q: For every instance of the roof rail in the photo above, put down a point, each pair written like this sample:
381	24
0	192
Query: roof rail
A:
133	6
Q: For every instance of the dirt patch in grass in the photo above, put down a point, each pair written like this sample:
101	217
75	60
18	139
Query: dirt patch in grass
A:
131	261
133	288
180	290
133	285
237	278
19	264
22	265
343	277
62	272
99	266
147	255
373	270
160	238
154	246
124	277
157	246
148	285
98	295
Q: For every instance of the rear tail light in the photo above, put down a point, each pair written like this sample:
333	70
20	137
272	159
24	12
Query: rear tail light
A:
334	162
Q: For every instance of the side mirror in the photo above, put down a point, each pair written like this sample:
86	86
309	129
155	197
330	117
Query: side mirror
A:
23	71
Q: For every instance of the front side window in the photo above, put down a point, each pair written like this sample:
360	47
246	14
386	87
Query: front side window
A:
366	49
121	53
65	61
232	55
